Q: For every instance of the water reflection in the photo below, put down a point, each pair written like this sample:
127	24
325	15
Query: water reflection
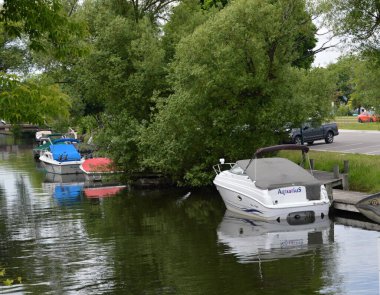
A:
251	240
103	191
65	189
172	241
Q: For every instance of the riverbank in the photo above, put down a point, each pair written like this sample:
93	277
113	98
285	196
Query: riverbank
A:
364	171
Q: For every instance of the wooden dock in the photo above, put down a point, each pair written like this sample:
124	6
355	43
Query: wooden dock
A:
6	128
342	199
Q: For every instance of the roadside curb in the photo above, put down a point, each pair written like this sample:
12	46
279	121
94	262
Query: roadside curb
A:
360	131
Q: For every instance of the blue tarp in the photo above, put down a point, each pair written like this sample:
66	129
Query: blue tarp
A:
64	152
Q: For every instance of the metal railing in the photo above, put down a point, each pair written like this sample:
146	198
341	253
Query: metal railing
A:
218	168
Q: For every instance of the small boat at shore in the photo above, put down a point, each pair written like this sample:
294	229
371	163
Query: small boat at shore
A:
40	135
61	159
370	207
271	188
95	168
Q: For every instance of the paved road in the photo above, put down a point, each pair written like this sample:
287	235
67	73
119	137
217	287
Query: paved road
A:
351	141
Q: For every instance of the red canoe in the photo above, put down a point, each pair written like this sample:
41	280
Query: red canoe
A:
97	165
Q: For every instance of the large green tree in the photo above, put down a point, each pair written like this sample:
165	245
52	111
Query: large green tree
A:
28	27
33	101
356	21
366	79
235	82
356	78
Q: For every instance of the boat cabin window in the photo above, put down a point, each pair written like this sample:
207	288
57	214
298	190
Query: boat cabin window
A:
237	170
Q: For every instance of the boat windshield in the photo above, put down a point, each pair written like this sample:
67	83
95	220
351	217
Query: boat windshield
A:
237	170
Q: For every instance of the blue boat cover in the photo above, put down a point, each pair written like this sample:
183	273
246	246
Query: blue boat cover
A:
64	152
61	140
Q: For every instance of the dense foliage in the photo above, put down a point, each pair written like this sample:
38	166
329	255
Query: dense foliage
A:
31	30
171	88
357	80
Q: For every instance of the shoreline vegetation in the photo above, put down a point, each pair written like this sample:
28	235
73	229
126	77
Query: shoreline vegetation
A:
364	172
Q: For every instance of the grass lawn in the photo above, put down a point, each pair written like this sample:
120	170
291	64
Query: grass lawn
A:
351	122
364	172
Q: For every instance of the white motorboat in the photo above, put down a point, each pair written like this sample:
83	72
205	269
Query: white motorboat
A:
40	135
61	159
271	188
252	240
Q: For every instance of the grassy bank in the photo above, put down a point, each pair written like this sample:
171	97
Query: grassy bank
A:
364	170
350	122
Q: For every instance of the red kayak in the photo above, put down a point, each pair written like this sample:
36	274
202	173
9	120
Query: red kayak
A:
98	165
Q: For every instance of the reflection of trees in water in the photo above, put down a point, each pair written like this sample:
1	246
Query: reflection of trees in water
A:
139	240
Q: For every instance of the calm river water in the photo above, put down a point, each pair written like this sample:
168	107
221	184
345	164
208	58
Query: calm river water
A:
60	241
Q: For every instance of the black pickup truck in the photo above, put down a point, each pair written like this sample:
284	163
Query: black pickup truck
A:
311	132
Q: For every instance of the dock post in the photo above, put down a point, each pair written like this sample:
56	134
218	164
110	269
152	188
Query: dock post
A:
345	183
336	171
346	166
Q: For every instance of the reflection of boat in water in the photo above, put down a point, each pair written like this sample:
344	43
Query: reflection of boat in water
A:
64	188
252	240
370	207
68	192
70	187
103	191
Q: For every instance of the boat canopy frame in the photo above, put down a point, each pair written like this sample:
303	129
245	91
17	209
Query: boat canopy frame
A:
275	148
289	147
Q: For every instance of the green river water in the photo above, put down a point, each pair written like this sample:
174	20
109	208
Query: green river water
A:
59	240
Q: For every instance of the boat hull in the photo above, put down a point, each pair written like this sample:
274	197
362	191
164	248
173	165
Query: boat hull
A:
71	167
370	207
249	206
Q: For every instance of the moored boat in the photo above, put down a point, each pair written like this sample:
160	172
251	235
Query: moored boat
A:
48	141
40	135
95	168
271	188
61	159
370	207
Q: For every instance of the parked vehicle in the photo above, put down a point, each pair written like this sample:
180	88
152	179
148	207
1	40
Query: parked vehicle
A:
367	117
310	132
